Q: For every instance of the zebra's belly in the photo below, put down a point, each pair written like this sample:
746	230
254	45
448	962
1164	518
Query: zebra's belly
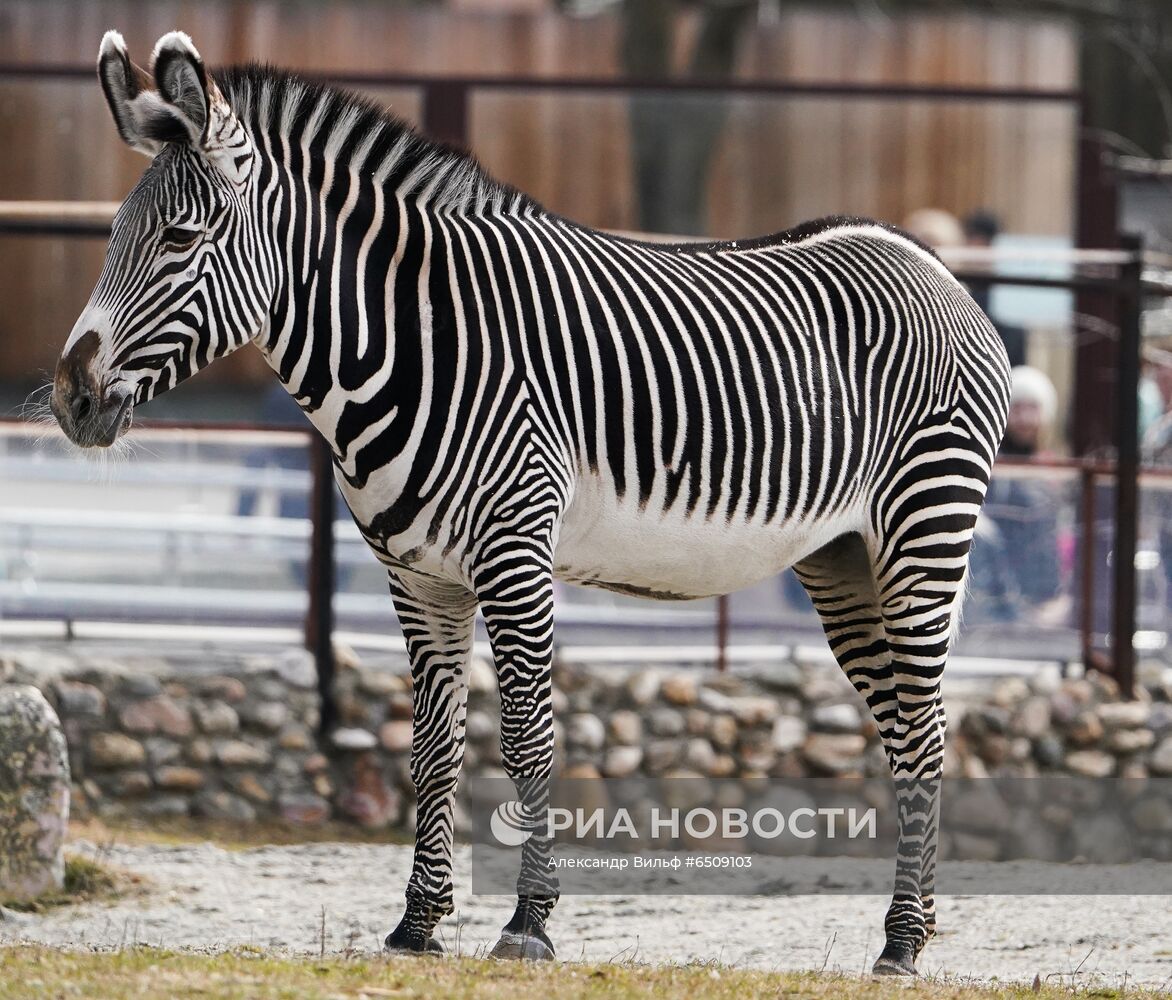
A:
608	543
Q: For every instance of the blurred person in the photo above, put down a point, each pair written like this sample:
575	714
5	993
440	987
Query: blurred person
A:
1015	561
981	229
934	226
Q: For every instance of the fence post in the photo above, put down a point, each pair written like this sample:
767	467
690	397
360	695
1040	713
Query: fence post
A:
319	621
1127	464
445	111
722	633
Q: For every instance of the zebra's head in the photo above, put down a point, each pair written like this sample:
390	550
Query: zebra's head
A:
184	280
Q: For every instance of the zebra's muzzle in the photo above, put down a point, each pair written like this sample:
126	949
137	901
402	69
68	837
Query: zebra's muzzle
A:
91	420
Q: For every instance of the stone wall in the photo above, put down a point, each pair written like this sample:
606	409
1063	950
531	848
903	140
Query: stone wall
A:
233	735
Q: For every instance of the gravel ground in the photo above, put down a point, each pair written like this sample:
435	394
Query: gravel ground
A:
203	897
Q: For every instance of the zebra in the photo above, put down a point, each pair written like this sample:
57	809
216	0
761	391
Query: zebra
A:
511	397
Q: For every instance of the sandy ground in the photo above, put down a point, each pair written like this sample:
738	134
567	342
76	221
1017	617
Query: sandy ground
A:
348	896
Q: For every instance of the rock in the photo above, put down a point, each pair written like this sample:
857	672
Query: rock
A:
1048	751
354	739
559	701
1161	759
1152	814
696	722
1010	692
161	751
715	701
1090	763
34	794
1102	839
789	733
251	787
840	718
267	716
200	752
111	750
238	753
370	801
229	689
217	718
976	807
622	761
478	727
699	755
975	847
481	676
183	779
399	706
1130	740
130	784
1125	715
723	731
784	676
379	683
680	689
659	755
296	668
157	715
643	688
395	736
303	810
723	765
755	710
1032	719
834	753
585	731
316	763
139	685
665	722
295	736
165	805
223	805
1160	720
76	698
1085	730
755	750
626	728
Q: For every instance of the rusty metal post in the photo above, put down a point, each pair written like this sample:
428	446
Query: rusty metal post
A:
1096	228
445	111
1087	569
722	633
1127	465
319	621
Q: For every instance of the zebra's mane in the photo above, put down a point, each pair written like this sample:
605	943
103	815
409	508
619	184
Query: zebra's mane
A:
345	124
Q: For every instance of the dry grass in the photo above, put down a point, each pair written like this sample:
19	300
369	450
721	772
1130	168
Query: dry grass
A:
230	836
86	879
31	972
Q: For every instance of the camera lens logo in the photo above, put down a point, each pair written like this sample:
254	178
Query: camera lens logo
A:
512	824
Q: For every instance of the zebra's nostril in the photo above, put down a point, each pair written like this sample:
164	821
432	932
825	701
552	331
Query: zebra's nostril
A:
82	405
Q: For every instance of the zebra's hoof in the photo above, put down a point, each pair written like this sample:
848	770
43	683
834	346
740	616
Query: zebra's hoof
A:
399	943
897	960
525	947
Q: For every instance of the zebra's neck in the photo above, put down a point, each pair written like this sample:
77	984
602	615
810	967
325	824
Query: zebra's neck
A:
348	199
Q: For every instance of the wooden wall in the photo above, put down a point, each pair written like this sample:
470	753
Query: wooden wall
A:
778	162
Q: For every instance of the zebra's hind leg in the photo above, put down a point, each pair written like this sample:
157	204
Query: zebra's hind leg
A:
516	598
919	565
437	621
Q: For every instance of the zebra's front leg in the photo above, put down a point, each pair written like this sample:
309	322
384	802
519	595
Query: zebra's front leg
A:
517	603
437	622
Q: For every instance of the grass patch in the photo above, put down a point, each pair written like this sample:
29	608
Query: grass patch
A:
31	972
86	879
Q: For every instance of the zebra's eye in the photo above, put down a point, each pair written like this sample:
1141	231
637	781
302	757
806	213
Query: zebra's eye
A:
178	238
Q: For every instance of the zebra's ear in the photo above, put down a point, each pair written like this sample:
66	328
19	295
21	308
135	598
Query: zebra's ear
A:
123	84
192	109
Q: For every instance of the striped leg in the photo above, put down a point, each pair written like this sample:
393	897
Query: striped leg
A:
437	620
919	569
516	597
